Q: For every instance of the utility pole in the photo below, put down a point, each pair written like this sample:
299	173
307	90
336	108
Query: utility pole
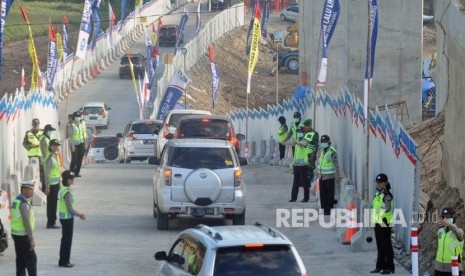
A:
184	52
367	115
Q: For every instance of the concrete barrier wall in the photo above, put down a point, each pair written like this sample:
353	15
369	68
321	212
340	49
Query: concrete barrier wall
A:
392	150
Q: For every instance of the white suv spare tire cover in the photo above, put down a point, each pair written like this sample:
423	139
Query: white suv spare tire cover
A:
202	184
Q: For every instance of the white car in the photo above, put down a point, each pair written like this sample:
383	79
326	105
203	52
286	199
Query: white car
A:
137	140
102	148
96	114
170	124
291	14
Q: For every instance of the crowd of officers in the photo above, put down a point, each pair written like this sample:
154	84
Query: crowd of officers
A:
313	155
44	149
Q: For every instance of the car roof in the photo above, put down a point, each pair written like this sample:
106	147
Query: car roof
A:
199	143
136	121
206	116
94	104
188	111
236	235
169	26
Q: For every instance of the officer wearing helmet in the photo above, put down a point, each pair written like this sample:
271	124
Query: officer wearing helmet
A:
31	143
283	132
450	243
327	172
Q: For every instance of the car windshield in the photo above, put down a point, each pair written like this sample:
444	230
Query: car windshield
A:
207	129
167	32
101	142
125	60
93	110
265	260
143	128
196	158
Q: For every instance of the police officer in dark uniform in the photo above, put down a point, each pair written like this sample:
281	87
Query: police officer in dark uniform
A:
383	207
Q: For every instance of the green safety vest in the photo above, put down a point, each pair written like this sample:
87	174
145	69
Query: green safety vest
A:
309	136
47	150
295	126
76	135
301	155
448	246
378	213
282	134
55	170
34	139
62	209
192	262
326	162
83	131
17	223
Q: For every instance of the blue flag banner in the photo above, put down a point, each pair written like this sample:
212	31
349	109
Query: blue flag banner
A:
215	81
124	6
85	29
182	26
369	68
329	17
65	37
52	61
265	17
174	91
6	5
97	20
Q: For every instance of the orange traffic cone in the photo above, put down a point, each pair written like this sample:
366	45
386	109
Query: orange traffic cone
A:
351	224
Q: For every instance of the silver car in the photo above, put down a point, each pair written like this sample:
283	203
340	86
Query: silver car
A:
198	177
291	14
231	250
138	140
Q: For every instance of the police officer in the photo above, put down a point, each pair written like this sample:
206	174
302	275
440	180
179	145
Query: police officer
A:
44	142
67	210
52	183
283	131
305	147
450	243
68	124
383	207
294	127
31	143
328	171
22	225
76	141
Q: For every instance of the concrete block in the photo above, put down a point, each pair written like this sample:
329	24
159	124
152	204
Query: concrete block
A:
288	156
364	239
271	151
262	153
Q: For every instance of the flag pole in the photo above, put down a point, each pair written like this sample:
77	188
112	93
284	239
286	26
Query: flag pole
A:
316	78
367	115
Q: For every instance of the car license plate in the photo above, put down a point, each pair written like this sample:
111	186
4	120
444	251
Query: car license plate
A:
149	141
92	118
202	211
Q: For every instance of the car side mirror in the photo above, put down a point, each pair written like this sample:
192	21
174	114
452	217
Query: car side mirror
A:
109	108
240	137
156	131
169	136
161	256
119	135
152	160
243	161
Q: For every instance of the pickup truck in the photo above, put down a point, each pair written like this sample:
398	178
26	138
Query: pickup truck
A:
288	59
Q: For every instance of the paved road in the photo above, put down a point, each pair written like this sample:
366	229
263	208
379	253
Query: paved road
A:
120	236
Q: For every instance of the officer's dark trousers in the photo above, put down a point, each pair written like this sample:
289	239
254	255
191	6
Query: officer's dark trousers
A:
25	258
52	201
385	258
66	240
300	180
76	159
282	151
327	195
440	273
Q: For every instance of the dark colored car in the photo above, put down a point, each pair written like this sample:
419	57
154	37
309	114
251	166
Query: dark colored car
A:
210	127
220	5
289	59
168	35
138	61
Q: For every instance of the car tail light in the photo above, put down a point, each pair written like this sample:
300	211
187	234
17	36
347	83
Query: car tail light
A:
167	174
131	137
166	131
178	133
253	245
233	139
92	144
305	274
104	114
205	120
229	210
237	178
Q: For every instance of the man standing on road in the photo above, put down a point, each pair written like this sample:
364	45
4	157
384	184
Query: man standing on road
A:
67	210
383	208
328	172
450	243
31	143
22	225
52	183
294	127
76	142
283	131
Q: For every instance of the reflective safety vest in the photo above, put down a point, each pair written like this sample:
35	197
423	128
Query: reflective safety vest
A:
62	209
448	246
295	126
301	155
282	134
55	169
17	223
47	150
379	213
76	134
309	136
83	131
326	164
34	139
192	263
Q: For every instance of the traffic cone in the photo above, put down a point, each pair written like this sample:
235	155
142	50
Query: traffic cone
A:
351	224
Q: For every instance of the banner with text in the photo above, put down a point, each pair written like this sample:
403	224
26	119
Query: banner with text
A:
174	91
329	19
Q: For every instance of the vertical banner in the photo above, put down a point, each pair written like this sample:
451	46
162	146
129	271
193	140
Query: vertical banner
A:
65	37
253	58
265	17
215	74
32	52
96	23
59	46
174	91
85	29
182	26
5	8
329	19
371	47
111	19
124	6
52	61
199	23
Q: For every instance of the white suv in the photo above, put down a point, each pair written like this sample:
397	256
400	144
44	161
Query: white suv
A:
231	251
96	114
198	177
170	122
